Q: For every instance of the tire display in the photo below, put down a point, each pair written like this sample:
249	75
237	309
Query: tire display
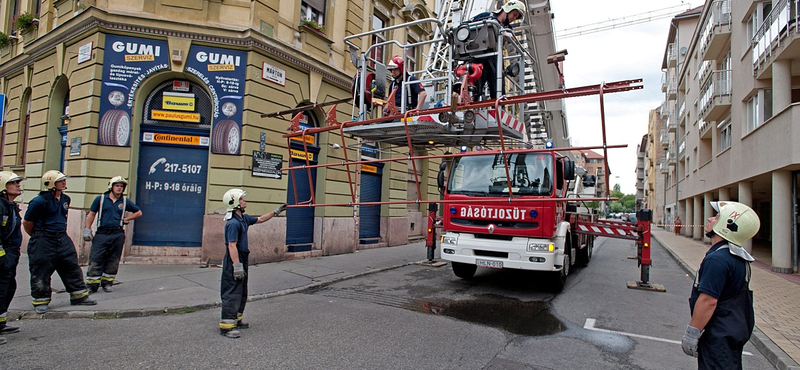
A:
115	128
226	137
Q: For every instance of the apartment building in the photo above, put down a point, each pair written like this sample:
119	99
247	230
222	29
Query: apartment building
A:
641	168
170	94
656	169
737	101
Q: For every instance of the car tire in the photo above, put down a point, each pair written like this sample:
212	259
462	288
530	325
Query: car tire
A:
226	137
114	128
463	270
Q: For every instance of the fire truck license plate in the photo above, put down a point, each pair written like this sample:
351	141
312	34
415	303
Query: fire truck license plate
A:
490	264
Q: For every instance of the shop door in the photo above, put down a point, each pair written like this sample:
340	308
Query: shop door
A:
369	229
300	220
173	165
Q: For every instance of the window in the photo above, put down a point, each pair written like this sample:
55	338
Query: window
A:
377	53
14	13
725	135
411	57
759	109
25	127
313	11
752	114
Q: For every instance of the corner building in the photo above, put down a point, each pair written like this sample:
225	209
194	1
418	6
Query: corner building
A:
170	94
734	108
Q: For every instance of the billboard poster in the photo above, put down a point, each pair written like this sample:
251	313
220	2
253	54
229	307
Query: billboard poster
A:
223	72
127	62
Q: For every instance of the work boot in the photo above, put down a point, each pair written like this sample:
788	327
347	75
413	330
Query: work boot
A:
242	325
230	333
42	308
5	329
108	288
85	301
92	289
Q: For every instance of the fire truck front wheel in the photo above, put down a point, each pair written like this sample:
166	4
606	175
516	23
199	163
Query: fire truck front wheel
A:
560	277
585	254
464	270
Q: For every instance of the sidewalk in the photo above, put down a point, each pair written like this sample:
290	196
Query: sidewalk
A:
144	290
776	296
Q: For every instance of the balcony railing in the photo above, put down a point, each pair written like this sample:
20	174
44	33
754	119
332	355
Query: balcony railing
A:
682	148
704	70
717	23
704	129
717	87
681	109
782	20
663	138
672	55
672	88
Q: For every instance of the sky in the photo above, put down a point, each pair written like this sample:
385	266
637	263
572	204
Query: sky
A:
620	54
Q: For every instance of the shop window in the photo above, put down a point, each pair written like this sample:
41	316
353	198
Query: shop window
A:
203	106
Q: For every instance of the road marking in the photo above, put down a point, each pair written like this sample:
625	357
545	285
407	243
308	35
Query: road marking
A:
589	325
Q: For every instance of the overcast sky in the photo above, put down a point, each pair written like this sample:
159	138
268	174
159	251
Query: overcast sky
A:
624	53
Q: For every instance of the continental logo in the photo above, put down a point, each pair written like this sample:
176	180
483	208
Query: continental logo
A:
174	116
176	139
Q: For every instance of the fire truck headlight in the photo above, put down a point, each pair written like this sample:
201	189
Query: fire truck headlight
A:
541	247
449	240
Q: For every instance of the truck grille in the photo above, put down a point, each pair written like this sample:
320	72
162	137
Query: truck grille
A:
481	253
500	224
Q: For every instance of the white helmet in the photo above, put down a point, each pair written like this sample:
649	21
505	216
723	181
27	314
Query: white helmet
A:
515	5
6	177
231	199
115	180
737	222
50	178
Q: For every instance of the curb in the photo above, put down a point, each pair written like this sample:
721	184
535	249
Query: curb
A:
774	354
177	310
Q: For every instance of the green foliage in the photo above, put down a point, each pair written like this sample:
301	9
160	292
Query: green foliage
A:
313	24
593	204
4	39
25	22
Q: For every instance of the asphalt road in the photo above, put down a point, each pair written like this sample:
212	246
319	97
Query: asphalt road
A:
414	317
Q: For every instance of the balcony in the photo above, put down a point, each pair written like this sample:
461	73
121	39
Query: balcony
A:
663	138
682	111
704	70
663	167
672	55
671	155
716	30
705	129
664	82
672	125
672	89
778	34
682	148
715	96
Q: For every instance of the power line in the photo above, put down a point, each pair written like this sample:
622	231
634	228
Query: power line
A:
625	21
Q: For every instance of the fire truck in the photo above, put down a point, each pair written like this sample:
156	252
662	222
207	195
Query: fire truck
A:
510	194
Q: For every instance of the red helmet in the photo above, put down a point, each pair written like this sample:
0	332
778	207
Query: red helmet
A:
396	62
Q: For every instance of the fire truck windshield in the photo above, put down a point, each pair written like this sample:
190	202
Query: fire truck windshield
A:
485	175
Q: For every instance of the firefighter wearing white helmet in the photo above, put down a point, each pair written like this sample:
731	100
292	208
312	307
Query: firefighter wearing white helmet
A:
722	302
233	283
113	211
50	246
10	243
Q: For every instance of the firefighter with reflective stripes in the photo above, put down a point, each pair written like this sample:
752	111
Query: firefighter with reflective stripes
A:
10	242
50	249
109	208
233	283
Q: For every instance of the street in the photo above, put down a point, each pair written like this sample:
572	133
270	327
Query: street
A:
413	317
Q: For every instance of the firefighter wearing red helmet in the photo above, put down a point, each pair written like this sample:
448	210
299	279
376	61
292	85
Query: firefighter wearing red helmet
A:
415	94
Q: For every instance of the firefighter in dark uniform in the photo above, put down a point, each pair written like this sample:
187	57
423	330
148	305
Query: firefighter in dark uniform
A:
233	283
50	249
722	302
10	242
109	208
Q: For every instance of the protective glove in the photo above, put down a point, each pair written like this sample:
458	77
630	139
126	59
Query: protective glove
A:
87	235
690	338
280	209
238	271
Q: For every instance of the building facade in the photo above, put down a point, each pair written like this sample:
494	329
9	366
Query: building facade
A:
170	94
656	168
738	101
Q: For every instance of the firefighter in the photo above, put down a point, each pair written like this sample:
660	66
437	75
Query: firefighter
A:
10	242
510	12
109	208
415	94
722	302
233	283
50	248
